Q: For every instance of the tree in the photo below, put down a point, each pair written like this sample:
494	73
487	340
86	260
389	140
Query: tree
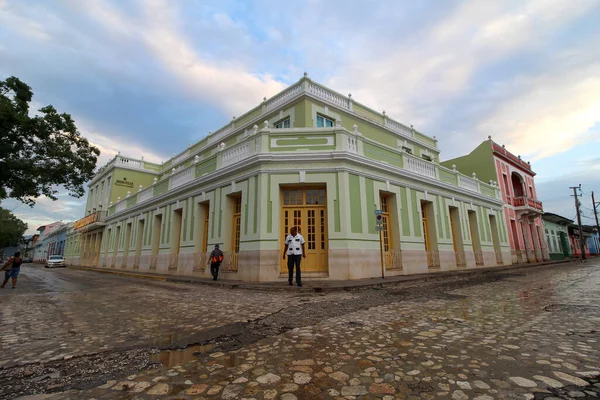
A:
11	228
41	152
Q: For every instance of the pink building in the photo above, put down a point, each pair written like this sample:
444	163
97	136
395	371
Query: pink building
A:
491	162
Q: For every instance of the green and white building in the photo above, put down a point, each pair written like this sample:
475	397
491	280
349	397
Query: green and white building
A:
309	157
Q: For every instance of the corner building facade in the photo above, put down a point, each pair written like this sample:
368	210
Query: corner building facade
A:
312	158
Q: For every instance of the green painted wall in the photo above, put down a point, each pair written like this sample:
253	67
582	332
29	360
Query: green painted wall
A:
367	113
480	161
161	187
404	211
206	167
301	117
355	204
131	200
416	204
370	193
301	142
448	177
199	145
135	177
382	154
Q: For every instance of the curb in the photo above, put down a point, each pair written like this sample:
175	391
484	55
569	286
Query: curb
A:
120	273
349	286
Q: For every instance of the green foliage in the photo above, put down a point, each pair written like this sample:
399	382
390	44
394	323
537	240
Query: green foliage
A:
40	152
11	228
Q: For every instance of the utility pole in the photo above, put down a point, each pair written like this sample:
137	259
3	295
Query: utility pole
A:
595	206
581	244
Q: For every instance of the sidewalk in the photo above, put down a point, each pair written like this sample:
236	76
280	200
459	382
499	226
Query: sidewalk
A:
320	285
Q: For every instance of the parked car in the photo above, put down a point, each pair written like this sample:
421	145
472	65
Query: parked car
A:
55	262
28	260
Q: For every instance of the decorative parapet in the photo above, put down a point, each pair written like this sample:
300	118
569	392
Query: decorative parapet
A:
282	98
419	166
181	157
328	95
398	127
236	153
145	194
181	178
468	183
501	150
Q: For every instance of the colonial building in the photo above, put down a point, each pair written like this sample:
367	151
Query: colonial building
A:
307	157
556	228
41	251
523	211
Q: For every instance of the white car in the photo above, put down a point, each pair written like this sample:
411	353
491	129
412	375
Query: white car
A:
55	262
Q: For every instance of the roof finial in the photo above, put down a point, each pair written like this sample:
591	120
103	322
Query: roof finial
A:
305	74
489	137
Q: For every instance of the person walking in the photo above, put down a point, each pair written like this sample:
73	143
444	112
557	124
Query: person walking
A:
12	267
294	248
215	259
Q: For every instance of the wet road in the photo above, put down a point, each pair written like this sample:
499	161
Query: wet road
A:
519	335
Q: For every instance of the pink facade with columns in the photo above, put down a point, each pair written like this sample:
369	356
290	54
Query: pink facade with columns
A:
522	209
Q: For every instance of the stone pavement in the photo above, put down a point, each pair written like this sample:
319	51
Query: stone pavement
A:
532	334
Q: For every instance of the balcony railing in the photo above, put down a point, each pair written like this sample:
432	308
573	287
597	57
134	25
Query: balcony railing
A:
525	202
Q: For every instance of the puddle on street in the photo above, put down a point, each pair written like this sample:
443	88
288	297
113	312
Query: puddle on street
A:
170	358
229	361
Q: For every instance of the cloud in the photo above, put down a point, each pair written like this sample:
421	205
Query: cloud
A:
233	88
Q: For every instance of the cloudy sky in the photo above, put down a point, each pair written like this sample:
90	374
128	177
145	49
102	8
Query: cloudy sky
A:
148	77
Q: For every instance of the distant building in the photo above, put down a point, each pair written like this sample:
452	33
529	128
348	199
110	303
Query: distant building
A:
556	228
523	211
594	240
575	237
42	246
57	239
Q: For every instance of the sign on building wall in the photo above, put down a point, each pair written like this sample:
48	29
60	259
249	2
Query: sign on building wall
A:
124	182
89	219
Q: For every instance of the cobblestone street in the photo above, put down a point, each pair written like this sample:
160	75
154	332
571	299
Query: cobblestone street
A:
522	334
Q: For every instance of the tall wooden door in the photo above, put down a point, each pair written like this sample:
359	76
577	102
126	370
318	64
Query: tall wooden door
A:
306	208
387	232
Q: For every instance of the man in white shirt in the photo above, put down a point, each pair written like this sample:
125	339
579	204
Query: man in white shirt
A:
294	248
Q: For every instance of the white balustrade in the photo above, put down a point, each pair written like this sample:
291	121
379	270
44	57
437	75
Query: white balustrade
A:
352	144
120	206
398	127
129	162
283	97
236	154
468	183
145	194
328	96
181	157
421	167
180	178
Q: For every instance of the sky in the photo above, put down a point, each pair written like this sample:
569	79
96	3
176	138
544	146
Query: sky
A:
149	77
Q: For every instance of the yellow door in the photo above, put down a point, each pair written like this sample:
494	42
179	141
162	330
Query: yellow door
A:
386	233
306	209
